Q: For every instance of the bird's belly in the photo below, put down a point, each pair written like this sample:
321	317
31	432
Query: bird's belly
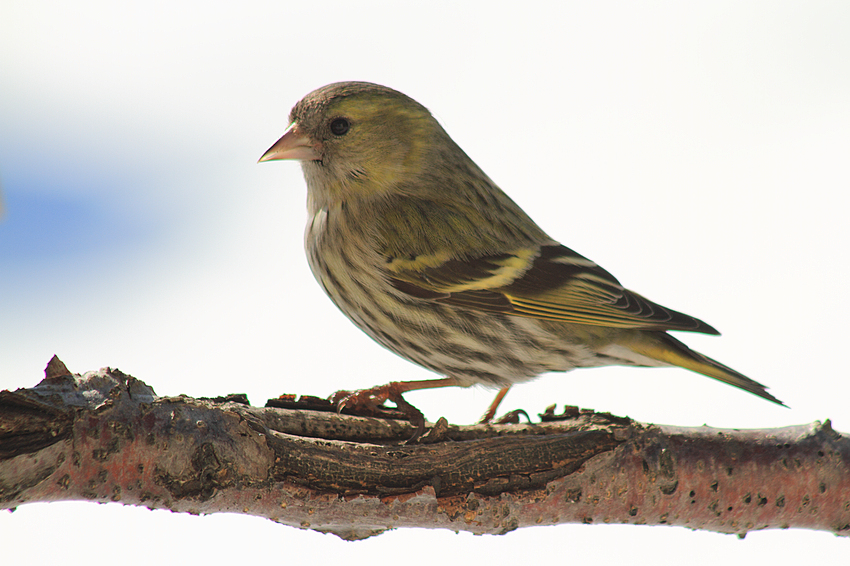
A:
474	347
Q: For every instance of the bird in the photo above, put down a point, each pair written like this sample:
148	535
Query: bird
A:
422	251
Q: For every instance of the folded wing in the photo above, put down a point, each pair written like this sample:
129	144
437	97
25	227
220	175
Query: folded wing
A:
550	282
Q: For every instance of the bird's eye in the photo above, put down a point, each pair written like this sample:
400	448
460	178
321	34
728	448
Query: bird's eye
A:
339	126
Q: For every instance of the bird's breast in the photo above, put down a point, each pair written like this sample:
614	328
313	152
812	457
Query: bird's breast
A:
345	263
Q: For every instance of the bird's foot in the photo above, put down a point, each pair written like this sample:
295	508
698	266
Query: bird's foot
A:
512	417
488	415
370	403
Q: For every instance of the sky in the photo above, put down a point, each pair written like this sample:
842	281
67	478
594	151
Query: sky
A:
698	151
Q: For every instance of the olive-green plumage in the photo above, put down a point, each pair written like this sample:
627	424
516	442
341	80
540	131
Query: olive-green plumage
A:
423	252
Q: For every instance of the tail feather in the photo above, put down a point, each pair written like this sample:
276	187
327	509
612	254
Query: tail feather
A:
664	348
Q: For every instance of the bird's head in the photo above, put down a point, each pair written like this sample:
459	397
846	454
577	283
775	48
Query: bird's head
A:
358	140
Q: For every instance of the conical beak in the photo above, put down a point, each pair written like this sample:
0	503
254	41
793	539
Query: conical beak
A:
293	145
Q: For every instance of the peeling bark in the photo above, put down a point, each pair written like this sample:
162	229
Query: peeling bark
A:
106	436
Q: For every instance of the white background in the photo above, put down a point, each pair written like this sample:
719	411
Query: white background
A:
701	153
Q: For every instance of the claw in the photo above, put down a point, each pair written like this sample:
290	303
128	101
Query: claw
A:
512	417
338	399
370	402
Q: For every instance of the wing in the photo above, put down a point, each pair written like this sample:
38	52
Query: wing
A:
551	282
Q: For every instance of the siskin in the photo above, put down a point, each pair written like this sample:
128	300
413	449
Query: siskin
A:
425	254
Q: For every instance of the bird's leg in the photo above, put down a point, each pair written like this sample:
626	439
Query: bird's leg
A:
364	400
491	410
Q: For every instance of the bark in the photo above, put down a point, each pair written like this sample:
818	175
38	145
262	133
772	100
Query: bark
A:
106	436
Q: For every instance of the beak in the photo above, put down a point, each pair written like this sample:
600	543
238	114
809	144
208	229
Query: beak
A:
293	145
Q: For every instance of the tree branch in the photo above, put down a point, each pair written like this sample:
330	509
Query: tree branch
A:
105	436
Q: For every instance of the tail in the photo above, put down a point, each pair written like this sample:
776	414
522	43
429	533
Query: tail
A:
664	348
